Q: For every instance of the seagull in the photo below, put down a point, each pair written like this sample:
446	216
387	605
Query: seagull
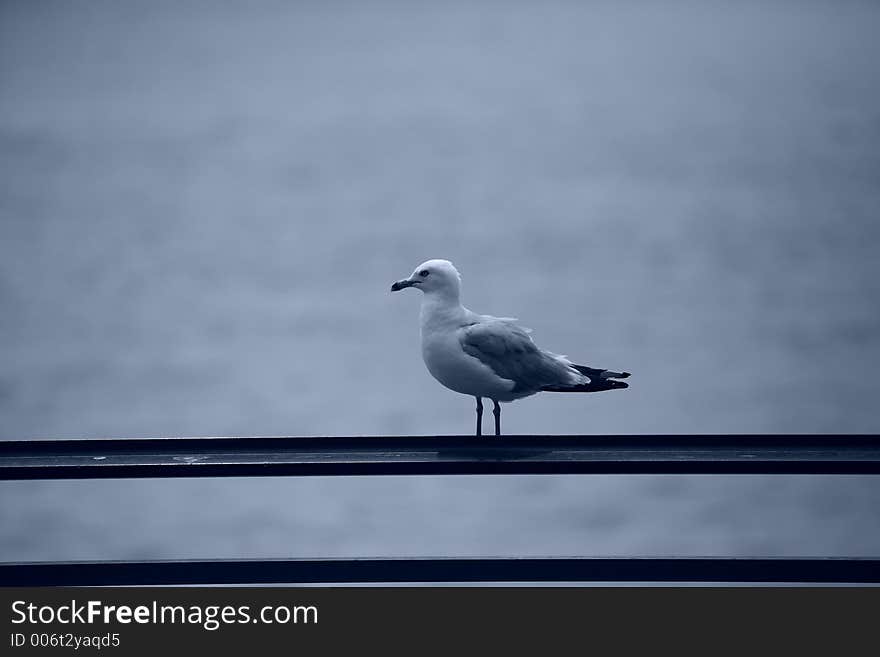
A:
485	356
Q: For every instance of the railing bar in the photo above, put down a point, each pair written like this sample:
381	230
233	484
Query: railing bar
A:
391	570
442	455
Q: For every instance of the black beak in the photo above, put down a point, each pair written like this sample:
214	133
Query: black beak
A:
399	285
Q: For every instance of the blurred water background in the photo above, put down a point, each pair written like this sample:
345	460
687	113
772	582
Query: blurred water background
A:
202	206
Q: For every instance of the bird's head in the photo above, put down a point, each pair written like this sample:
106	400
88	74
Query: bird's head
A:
433	277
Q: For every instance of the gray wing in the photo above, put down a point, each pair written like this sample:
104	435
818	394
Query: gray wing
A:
510	352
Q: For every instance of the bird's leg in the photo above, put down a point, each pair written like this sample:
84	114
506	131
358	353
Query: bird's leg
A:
479	416
497	413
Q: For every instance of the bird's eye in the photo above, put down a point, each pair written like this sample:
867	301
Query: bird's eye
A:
424	273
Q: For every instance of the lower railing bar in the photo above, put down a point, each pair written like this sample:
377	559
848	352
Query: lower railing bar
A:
398	570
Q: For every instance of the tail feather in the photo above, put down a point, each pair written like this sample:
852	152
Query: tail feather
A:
600	380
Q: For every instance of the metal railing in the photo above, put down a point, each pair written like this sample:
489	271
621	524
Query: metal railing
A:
444	455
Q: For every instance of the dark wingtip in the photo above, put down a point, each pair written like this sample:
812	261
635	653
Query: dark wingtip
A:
602	386
598	374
